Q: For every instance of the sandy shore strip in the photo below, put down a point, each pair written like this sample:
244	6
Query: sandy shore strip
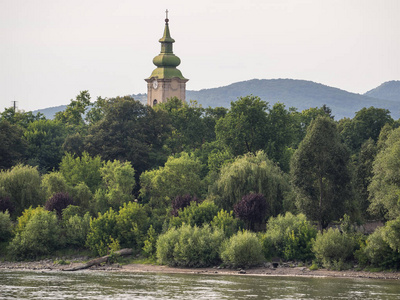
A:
48	265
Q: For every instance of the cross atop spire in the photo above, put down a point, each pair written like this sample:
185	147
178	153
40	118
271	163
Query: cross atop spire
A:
166	17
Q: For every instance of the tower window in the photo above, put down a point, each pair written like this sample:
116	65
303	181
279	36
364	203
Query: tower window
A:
155	102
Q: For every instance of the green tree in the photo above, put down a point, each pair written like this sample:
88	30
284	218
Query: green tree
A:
119	180
72	116
20	118
252	174
53	183
82	169
245	127
320	174
366	124
179	176
45	139
384	190
189	130
40	236
13	146
129	131
22	185
362	167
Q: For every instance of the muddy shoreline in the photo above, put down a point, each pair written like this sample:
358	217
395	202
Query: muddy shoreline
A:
48	265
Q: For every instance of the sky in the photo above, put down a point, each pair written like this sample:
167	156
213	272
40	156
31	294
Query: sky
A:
50	50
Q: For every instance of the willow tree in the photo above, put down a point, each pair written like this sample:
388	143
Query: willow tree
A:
320	174
252	174
179	176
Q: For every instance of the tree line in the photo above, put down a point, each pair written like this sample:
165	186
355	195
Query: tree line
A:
117	173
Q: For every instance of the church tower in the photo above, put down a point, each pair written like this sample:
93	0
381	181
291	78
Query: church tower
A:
166	81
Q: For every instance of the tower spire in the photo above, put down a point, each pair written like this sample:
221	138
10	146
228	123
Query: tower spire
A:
166	81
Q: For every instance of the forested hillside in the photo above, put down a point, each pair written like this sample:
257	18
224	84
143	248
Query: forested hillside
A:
188	185
389	90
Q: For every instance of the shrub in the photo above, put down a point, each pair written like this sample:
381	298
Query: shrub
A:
289	237
132	224
40	236
190	246
180	202
165	246
102	231
53	183
5	226
27	214
150	244
378	251
128	227
195	214
58	202
76	229
227	222
6	204
333	248
22	185
242	250
252	209
82	196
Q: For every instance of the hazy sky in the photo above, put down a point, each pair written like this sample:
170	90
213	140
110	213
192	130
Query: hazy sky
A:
50	50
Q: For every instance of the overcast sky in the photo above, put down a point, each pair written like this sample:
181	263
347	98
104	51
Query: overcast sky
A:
52	49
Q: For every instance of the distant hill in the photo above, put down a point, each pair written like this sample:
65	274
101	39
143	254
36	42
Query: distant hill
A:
301	94
389	90
50	112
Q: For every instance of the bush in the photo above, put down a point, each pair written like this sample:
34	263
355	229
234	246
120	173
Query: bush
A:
53	183
22	185
333	248
289	237
27	214
40	235
195	214
378	251
127	227
252	209
242	250
190	246
132	223
227	222
76	229
58	202
5	226
180	202
150	244
103	230
82	196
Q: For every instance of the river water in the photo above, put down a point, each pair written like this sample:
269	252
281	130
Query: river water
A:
105	285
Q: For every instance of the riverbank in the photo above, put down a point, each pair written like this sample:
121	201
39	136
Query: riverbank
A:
48	265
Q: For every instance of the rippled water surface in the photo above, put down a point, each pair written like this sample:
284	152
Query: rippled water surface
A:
103	285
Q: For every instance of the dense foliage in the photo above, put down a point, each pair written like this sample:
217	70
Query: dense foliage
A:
136	175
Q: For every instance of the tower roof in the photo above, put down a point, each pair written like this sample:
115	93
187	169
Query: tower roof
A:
166	61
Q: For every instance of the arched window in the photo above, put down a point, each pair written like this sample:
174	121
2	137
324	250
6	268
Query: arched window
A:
155	102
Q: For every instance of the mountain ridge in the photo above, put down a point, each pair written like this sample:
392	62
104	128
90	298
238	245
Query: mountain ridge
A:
301	94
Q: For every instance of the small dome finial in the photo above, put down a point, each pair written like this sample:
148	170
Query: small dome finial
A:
166	17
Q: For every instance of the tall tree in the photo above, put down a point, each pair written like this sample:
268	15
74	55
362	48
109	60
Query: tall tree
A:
12	146
129	131
366	124
45	139
385	184
245	127
319	170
